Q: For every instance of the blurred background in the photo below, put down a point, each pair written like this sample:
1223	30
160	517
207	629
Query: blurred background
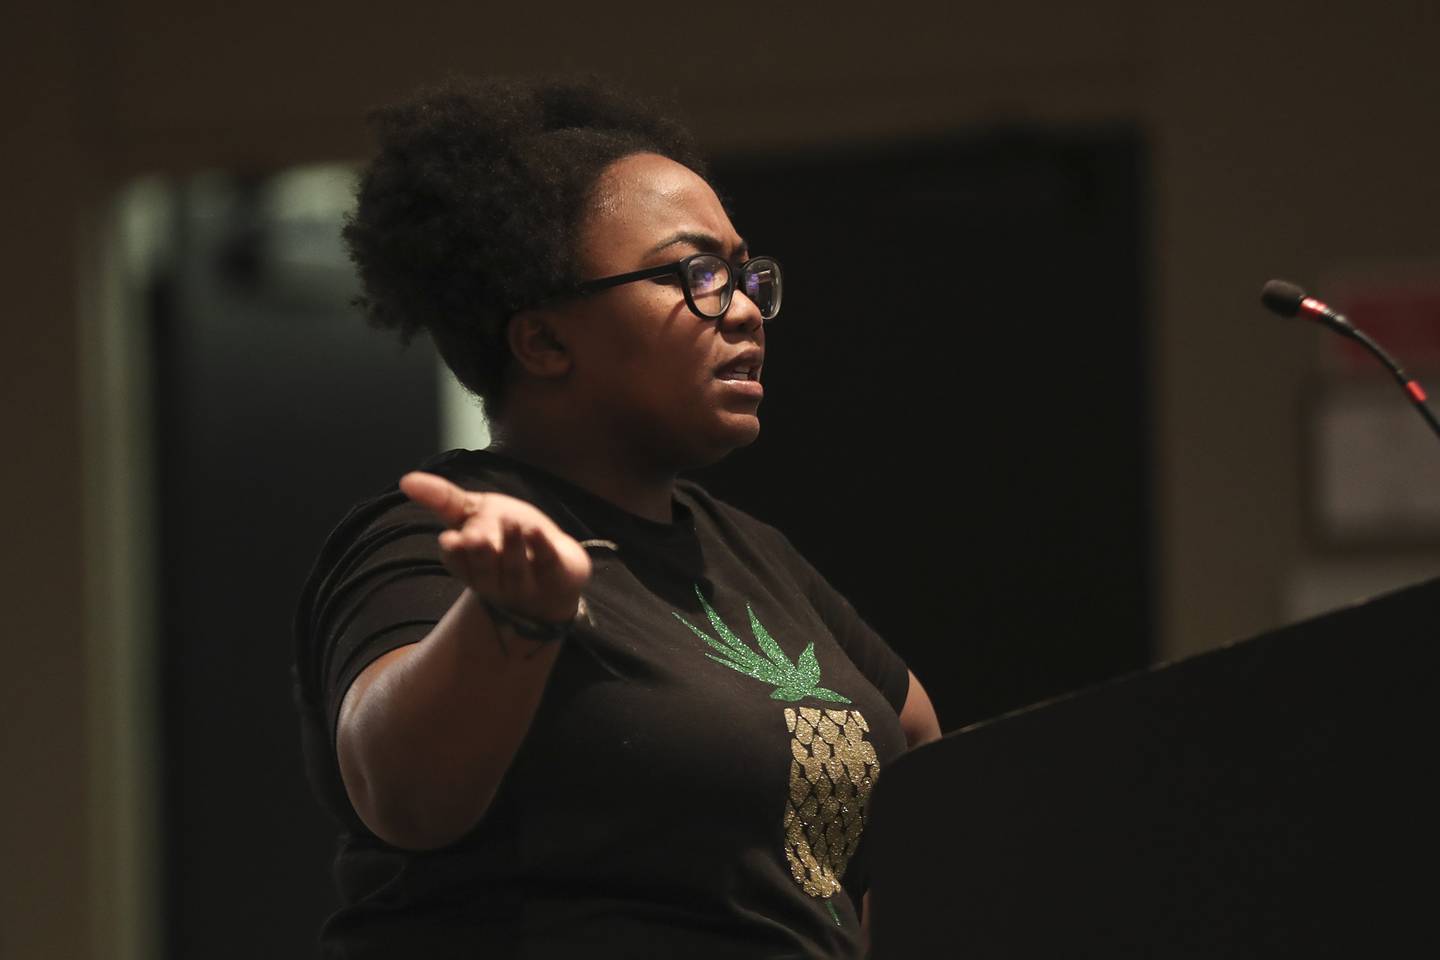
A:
1022	406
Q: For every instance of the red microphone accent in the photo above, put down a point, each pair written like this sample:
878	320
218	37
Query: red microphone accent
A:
1311	305
1415	391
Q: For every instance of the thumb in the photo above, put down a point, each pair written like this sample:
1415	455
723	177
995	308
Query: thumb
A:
438	495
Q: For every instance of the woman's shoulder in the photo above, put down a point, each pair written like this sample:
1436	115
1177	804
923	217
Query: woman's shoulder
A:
390	508
388	515
477	470
387	535
480	470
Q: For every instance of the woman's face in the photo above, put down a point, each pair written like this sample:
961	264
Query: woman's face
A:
663	381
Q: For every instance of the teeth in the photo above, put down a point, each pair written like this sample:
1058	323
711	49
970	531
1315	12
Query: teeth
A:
739	371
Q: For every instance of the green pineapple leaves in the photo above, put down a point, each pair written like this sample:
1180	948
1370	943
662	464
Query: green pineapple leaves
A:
791	681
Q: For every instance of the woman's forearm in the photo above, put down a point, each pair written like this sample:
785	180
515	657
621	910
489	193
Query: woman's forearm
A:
427	732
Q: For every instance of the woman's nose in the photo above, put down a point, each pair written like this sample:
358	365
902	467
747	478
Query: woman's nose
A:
743	314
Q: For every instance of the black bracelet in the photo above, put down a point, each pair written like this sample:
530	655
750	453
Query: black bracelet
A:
546	631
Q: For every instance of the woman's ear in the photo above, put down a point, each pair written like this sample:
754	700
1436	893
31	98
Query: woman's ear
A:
536	344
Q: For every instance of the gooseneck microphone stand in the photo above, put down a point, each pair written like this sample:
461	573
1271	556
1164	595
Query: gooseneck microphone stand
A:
1288	300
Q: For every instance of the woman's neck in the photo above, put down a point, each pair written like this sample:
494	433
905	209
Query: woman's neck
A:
597	468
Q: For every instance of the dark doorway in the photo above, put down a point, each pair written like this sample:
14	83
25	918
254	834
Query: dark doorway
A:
276	409
954	425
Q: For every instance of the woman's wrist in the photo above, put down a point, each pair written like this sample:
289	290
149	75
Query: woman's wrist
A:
531	628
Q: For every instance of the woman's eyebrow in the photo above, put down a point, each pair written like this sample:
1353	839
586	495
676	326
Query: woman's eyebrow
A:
705	242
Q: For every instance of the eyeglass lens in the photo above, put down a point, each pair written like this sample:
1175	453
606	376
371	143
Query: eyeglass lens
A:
760	279
709	280
710	289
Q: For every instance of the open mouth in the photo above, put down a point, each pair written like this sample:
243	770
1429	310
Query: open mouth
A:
744	367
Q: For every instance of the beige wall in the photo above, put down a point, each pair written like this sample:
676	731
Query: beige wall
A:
1288	137
44	898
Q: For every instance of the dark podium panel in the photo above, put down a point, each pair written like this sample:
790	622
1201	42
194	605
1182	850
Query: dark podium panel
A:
1271	798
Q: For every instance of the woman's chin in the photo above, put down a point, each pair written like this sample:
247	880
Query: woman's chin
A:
744	428
730	433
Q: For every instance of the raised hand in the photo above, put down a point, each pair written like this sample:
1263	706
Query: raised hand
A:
507	551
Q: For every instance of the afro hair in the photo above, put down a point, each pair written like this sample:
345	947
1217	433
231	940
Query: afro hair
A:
471	207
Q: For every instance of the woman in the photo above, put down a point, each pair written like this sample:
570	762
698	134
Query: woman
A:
560	699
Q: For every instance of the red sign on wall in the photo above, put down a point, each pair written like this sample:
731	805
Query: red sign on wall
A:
1399	308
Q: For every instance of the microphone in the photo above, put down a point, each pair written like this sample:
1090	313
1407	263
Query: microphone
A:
1288	300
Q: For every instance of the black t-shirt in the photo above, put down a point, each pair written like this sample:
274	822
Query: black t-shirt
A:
695	779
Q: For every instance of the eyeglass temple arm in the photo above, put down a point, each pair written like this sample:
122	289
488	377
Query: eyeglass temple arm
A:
592	286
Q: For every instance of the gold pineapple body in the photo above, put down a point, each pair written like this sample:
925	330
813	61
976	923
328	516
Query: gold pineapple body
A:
830	778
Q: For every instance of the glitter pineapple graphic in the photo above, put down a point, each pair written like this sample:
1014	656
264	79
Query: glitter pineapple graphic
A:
832	766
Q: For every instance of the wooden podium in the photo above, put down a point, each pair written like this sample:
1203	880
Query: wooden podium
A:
1274	797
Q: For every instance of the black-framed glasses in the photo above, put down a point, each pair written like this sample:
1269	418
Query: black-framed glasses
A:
709	283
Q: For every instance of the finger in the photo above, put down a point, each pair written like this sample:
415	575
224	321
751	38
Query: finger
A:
438	495
559	566
515	577
544	558
475	536
474	564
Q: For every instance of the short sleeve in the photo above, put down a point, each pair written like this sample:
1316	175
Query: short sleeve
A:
875	658
383	586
